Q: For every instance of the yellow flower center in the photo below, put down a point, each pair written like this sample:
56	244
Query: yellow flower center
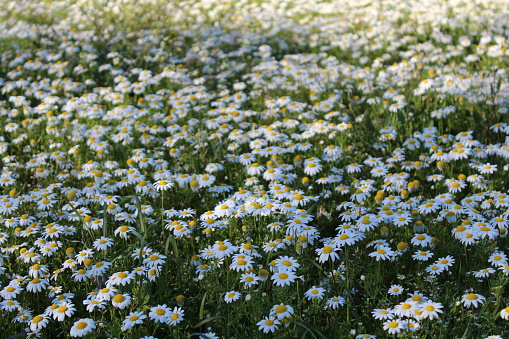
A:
281	309
327	250
119	298
81	325
37	319
471	296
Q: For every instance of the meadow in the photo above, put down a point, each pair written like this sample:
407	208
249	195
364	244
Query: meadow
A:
254	169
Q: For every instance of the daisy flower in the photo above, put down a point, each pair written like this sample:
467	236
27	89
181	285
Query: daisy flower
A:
405	309
121	301
434	269
335	302
120	278
445	262
327	252
249	279
417	297
383	313
39	322
133	318
468	237
10	292
287	263
9	305
103	243
422	255
498	259
223	249
154	260
93	304
281	311
268	324
393	326
504	314
487	168
82	327
483	273
231	296
123	231
396	290
472	299
65	309
159	313
177	315
312	168
383	253
354	168
37	285
315	293
430	310
106	293
163	185
421	240
284	278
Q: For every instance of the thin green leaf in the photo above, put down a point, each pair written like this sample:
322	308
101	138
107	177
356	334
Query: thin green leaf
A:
19	335
208	320
308	329
202	306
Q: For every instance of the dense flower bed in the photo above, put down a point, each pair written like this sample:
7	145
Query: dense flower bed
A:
241	168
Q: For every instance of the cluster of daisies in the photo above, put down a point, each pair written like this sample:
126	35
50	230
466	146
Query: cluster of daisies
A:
297	157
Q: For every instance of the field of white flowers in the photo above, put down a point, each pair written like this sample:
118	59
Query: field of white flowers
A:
254	169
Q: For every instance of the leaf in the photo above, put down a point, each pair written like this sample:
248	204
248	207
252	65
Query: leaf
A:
175	249
317	265
19	335
208	320
140	215
388	120
167	245
401	118
138	235
310	209
308	330
118	255
202	306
